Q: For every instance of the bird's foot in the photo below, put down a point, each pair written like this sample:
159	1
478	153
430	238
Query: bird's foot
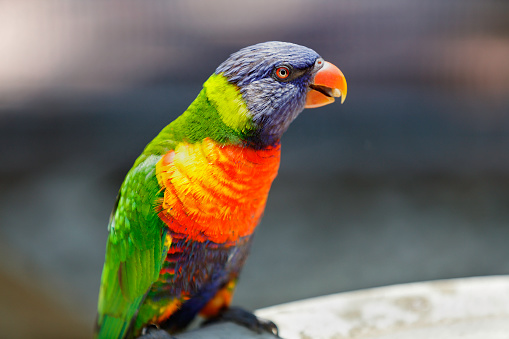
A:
153	332
246	319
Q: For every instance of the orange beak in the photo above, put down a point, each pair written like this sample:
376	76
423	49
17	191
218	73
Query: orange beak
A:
329	83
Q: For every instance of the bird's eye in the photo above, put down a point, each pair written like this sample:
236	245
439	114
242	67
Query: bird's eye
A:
282	72
319	62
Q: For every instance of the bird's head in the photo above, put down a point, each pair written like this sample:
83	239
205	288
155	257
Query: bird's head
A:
277	80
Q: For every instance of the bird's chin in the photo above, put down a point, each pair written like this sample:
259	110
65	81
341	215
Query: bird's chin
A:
318	96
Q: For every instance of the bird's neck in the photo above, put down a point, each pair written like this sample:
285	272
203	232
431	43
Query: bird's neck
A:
217	113
220	113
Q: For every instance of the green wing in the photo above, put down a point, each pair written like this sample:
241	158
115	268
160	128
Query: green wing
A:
135	250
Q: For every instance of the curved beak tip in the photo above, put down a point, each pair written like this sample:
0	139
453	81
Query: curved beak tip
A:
337	93
343	96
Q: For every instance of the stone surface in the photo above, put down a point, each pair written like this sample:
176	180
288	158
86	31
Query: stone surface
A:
472	308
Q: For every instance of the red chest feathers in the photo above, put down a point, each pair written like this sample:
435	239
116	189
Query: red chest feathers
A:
214	192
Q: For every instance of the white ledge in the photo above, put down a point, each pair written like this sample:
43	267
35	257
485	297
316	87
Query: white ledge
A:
470	308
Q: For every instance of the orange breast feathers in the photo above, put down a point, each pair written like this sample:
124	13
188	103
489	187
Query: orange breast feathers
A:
215	192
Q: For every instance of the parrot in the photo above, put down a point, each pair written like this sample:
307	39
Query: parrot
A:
186	212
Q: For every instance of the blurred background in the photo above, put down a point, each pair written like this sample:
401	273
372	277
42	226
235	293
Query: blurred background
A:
407	181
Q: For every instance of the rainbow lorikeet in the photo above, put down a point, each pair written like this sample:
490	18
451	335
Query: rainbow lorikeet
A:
185	214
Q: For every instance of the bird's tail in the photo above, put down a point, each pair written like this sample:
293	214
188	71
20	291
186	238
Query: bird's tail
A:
110	327
115	314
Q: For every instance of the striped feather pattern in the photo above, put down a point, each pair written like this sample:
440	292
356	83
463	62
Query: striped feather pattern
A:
215	192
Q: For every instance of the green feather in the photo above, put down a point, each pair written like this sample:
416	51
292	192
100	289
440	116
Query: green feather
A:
227	100
135	249
218	113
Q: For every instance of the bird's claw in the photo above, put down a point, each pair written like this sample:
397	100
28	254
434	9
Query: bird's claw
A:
246	319
153	332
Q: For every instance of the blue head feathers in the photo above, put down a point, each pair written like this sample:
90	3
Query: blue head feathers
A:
273	78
